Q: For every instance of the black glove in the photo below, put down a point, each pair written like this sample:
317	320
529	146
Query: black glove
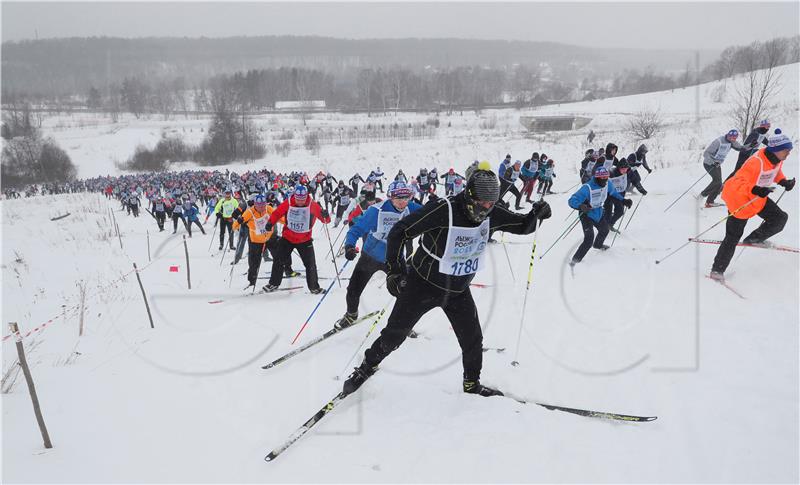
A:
267	227
649	170
350	252
325	214
396	284
584	208
627	203
787	184
240	220
761	191
541	210
219	216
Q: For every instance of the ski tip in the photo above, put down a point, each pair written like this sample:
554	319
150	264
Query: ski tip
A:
270	457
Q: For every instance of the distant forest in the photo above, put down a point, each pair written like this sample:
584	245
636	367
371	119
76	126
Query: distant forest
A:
171	76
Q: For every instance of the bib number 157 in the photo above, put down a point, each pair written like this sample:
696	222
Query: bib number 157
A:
465	267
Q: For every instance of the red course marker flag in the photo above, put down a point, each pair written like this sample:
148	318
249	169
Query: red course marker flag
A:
173	269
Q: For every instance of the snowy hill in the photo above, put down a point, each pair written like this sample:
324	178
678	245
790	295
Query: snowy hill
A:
187	400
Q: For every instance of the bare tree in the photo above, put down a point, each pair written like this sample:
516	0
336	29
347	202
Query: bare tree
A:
755	90
645	124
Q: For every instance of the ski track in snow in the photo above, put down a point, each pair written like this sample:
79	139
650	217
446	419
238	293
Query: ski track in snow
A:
187	401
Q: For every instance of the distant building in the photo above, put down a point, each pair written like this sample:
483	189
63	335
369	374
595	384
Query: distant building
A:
299	105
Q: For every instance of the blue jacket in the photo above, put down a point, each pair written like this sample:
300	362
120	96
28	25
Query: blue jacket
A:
191	213
367	224
583	195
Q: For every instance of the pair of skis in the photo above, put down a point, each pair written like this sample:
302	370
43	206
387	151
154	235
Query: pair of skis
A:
331	405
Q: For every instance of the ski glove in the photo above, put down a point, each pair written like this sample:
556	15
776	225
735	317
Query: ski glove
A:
761	191
267	227
584	208
627	203
240	220
396	284
541	209
350	252
649	170
787	184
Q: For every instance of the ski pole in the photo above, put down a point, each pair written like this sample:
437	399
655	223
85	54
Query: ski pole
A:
658	261
634	212
687	190
344	225
369	332
318	304
563	235
527	288
214	233
508	258
616	231
334	256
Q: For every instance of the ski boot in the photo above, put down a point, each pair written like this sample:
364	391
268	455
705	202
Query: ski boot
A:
713	204
475	387
291	273
602	247
344	322
220	246
717	276
316	291
358	377
269	288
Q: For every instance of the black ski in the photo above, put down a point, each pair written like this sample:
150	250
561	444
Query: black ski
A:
306	426
317	340
587	412
259	292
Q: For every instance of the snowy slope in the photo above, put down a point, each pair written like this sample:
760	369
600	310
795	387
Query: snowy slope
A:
187	401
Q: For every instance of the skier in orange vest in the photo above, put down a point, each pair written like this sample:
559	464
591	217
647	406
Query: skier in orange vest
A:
747	194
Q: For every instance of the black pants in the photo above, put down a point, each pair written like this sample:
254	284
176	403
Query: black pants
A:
339	213
223	225
254	252
273	244
635	180
544	186
175	218
161	217
774	220
365	268
715	187
613	210
379	184
354	186
419	298
284	252
423	191
589	238
506	186
189	227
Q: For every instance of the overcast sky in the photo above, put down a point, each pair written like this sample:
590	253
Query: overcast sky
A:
633	24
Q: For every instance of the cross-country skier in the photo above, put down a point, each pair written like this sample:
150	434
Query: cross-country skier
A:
713	156
374	227
341	199
224	211
301	213
546	174
529	175
159	212
424	181
589	201
507	180
192	215
752	143
255	218
354	182
636	160
613	209
747	194
454	233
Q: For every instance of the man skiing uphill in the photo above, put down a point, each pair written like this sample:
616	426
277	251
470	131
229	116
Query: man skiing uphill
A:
589	201
454	232
374	226
713	156
301	212
747	195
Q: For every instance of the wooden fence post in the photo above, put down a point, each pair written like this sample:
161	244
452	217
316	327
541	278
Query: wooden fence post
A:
188	272
29	379
144	295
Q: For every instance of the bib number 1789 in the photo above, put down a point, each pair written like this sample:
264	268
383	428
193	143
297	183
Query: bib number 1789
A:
465	267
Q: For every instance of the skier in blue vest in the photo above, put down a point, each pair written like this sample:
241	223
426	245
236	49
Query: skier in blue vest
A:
373	226
589	201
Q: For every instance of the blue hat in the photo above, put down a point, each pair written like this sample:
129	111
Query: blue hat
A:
260	199
778	142
734	133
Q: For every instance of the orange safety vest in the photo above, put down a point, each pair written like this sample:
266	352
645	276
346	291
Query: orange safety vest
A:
737	191
255	222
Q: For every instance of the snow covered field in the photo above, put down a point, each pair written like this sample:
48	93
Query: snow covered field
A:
187	401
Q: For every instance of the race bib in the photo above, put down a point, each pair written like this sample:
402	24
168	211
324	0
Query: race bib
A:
766	177
386	221
598	197
261	224
465	245
298	219
620	183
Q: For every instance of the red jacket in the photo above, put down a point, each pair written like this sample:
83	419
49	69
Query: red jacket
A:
299	223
